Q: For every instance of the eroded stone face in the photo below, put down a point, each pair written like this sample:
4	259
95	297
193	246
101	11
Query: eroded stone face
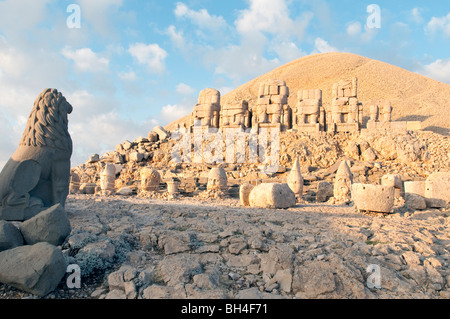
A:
217	180
343	183
150	180
295	179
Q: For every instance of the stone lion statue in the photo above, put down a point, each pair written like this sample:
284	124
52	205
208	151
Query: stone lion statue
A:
37	175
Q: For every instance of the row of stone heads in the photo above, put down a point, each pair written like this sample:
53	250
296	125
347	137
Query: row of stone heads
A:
272	107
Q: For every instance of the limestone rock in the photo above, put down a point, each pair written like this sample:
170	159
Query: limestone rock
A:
10	236
136	157
152	137
295	179
36	269
217	179
369	155
272	195
162	133
324	191
88	188
125	191
343	183
244	193
52	226
374	198
415	201
394	180
94	158
437	189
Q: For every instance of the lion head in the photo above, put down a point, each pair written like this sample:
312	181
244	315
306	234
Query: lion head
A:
48	124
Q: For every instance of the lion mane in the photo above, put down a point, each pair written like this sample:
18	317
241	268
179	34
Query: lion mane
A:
47	124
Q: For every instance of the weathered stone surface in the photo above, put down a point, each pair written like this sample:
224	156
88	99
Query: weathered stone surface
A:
343	183
150	179
369	155
38	174
94	158
272	195
217	179
36	269
125	191
415	201
107	179
415	187
295	179
437	189
10	236
244	193
324	191
88	188
136	157
162	133
52	226
176	269
374	198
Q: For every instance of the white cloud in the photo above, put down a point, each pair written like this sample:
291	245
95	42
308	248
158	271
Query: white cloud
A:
170	113
151	55
439	24
438	70
322	46
273	17
176	37
354	28
86	60
128	76
200	18
185	89
416	15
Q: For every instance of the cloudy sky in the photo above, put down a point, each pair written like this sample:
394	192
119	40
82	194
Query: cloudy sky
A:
128	65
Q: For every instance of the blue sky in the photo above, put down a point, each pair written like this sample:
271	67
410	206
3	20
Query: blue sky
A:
135	64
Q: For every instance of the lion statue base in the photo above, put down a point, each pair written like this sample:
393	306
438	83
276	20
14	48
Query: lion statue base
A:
37	175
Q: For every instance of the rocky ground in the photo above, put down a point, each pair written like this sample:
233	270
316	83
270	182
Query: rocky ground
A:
131	247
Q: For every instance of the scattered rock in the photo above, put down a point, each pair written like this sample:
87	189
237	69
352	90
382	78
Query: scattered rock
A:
272	195
10	236
373	198
36	269
52	226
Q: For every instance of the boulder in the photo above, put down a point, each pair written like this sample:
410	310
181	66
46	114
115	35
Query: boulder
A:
125	191
244	193
415	187
10	236
324	191
415	201
374	198
272	195
162	133
136	157
94	158
51	225
437	190
37	269
394	180
152	137
88	188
